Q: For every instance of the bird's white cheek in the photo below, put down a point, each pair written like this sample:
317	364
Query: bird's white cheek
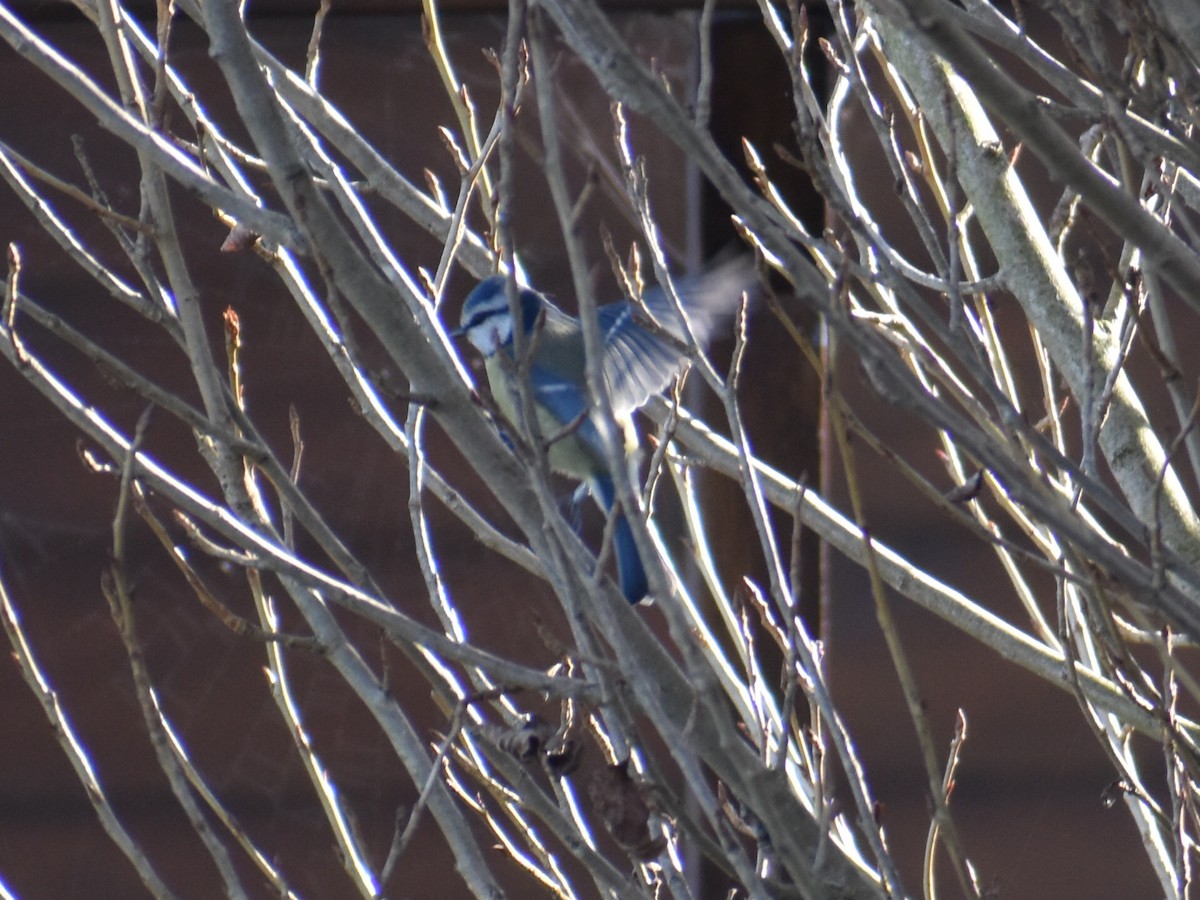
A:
490	338
486	338
482	340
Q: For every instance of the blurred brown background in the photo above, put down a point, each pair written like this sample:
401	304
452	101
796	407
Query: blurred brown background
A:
1029	794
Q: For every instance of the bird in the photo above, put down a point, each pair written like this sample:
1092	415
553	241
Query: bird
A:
638	361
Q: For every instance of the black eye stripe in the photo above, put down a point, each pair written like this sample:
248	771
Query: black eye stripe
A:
483	315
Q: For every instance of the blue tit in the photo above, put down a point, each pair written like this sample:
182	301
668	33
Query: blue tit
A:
638	362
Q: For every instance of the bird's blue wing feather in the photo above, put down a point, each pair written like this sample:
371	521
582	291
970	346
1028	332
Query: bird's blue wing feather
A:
709	299
565	401
637	362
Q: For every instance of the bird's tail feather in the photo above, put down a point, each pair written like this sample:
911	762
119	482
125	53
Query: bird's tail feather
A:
629	562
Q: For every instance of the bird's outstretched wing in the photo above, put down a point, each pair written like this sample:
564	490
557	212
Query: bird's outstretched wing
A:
709	299
638	362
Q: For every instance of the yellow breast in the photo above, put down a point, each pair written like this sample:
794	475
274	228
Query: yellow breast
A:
567	455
